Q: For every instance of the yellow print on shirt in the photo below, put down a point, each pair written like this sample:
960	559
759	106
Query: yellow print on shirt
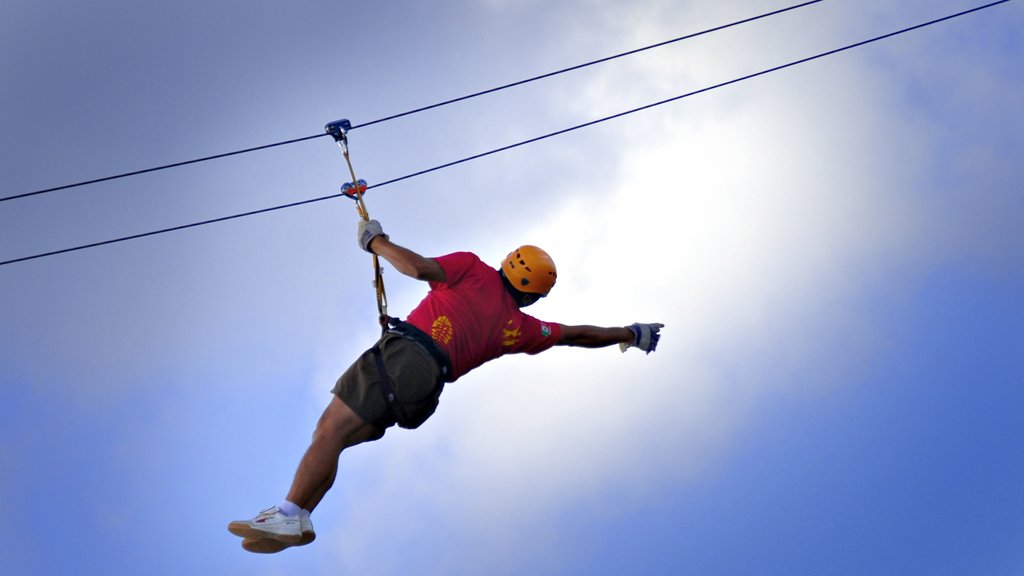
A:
510	336
442	330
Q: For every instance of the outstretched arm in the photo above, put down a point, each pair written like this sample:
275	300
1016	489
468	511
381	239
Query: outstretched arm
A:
373	239
642	336
594	336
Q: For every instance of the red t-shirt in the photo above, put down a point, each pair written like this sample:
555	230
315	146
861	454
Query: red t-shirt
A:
474	319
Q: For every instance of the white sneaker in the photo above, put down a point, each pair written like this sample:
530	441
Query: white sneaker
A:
271	546
307	530
270	524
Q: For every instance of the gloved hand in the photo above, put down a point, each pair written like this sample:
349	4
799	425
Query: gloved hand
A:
645	337
368	230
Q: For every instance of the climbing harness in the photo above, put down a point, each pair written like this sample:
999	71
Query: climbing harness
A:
355	190
407	413
410	332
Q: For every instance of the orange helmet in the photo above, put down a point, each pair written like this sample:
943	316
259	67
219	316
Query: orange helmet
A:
529	269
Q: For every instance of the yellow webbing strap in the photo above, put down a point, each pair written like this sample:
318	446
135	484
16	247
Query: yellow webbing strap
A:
378	274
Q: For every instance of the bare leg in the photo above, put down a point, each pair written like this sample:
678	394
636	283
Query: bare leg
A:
339	428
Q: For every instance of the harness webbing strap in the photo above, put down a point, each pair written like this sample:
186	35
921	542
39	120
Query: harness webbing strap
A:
339	131
386	387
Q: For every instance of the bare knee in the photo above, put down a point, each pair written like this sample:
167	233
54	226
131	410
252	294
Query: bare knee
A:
338	423
368	433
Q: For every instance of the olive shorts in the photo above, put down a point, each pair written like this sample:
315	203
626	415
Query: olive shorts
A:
414	376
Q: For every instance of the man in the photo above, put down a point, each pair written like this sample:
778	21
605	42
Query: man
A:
472	314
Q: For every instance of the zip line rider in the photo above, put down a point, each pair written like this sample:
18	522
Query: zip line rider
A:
471	315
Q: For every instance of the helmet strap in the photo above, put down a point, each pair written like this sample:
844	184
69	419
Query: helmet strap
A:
523	299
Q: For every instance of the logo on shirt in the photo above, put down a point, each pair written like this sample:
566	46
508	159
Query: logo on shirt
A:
442	330
510	336
545	330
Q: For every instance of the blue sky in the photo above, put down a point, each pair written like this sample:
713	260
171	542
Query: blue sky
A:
834	249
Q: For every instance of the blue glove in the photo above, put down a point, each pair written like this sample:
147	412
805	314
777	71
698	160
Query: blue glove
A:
645	337
368	230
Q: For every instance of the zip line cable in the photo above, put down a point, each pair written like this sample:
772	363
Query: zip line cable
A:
599	61
158	168
518	144
417	110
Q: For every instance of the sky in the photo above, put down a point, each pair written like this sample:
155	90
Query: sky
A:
834	249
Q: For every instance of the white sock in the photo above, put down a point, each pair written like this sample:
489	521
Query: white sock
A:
289	509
